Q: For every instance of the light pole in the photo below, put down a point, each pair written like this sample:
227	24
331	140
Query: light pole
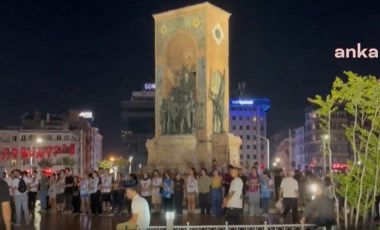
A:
268	152
38	141
130	164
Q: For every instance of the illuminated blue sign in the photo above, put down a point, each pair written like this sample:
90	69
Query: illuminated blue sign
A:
243	102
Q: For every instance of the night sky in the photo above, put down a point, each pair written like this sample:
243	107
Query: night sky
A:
56	55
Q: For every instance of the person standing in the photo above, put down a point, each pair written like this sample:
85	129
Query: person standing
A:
140	212
146	188
265	191
192	190
254	192
69	183
9	178
227	180
167	192
44	187
204	183
216	194
76	196
156	196
179	184
52	193
20	186
106	192
233	202
5	209
84	194
289	194
94	195
33	190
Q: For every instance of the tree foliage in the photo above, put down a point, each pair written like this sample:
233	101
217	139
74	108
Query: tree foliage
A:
68	161
45	163
359	96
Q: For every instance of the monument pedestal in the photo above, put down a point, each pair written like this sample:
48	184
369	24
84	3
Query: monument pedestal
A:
172	152
180	152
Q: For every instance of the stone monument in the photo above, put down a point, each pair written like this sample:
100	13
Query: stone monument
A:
192	90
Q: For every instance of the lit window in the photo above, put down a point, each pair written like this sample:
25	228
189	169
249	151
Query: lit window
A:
254	119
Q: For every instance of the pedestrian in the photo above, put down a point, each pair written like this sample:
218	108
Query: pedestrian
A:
94	195
146	188
289	193
84	194
323	207
233	202
44	187
20	186
119	187
140	212
191	190
167	192
216	193
33	190
204	183
5	209
9	179
156	195
131	181
265	192
52	193
106	192
178	195
60	189
76	196
254	192
68	192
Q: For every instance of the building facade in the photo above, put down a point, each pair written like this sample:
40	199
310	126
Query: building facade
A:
299	147
49	142
316	141
137	118
248	119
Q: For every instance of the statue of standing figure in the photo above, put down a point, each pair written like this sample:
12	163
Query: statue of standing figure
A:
172	108
218	104
192	109
164	116
185	115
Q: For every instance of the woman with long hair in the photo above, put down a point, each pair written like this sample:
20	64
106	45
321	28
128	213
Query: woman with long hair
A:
52	193
191	190
216	193
266	189
253	183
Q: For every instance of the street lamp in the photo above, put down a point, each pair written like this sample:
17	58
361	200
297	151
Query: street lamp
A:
130	164
268	152
112	159
38	141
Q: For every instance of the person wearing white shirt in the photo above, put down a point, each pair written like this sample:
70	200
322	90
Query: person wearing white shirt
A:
289	194
233	202
105	190
20	194
140	219
33	190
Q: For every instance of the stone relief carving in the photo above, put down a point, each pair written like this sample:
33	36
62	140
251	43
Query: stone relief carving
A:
193	23
217	97
178	111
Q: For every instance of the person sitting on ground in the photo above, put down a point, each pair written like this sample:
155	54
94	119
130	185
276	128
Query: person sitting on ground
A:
324	207
140	212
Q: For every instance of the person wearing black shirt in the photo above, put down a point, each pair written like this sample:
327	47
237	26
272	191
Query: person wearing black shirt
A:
178	193
5	209
76	196
69	183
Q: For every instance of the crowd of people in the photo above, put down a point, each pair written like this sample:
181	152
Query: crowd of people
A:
215	192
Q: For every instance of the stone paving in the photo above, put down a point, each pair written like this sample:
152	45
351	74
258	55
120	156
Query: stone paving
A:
76	222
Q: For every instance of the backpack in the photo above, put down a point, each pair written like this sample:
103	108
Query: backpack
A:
22	185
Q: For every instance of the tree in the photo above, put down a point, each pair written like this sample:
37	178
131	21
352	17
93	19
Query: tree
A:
68	161
45	163
359	96
122	165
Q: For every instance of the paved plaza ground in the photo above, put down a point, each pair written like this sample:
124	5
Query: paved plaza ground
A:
70	222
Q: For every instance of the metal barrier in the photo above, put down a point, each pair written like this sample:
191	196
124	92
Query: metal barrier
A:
238	227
